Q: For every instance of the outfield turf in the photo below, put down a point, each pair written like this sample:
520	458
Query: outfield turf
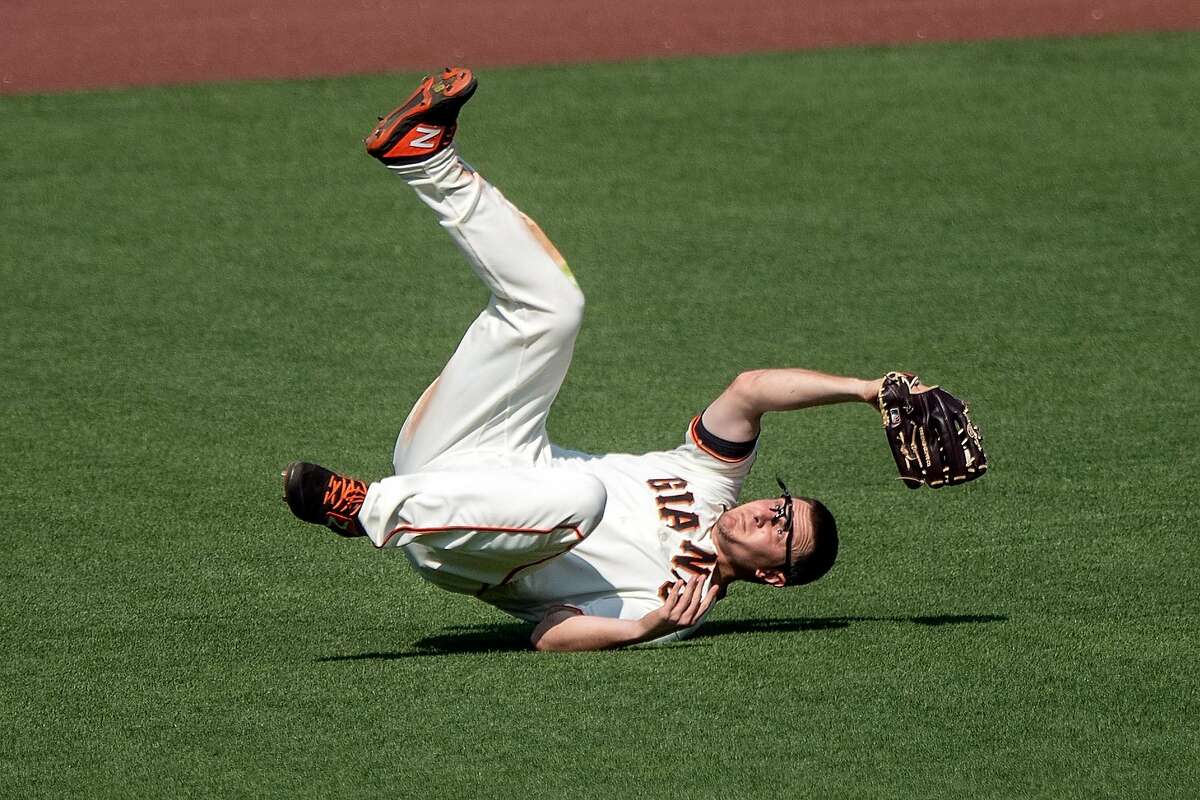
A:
201	284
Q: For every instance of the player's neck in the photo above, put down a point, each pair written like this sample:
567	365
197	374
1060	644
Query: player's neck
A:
722	577
723	573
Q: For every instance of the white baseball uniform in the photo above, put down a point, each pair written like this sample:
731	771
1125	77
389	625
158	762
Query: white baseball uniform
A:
481	501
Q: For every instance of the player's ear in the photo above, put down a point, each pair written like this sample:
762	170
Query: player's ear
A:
771	577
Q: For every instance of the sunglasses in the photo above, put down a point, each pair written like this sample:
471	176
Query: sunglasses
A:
784	512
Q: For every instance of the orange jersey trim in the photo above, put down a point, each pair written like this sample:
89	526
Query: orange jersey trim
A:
696	440
514	571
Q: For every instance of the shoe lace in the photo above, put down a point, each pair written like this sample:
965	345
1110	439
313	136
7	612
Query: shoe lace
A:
344	497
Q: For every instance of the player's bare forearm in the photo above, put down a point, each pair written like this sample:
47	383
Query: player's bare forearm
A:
686	604
736	415
793	388
569	631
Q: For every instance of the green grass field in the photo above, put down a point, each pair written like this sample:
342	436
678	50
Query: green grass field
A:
201	284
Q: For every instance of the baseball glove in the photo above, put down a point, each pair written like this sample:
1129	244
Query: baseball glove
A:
933	440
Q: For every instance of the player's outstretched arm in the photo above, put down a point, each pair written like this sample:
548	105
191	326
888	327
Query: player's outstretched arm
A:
567	629
737	414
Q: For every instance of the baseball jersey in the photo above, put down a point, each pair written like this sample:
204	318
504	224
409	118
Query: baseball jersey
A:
657	526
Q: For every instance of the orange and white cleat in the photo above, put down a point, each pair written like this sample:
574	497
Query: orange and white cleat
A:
424	124
322	497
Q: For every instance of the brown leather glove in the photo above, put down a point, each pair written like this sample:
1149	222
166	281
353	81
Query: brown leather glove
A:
933	440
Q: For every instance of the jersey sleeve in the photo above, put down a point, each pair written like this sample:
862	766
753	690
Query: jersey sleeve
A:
711	454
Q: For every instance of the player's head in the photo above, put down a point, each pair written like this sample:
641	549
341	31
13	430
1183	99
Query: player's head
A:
753	539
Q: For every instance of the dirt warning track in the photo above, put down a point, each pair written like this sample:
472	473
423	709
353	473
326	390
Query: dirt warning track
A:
56	45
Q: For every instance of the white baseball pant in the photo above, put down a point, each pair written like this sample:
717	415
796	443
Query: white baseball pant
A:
474	500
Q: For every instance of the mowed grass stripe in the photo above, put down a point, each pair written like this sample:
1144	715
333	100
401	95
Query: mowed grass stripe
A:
203	283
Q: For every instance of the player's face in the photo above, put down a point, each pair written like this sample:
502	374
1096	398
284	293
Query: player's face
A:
753	536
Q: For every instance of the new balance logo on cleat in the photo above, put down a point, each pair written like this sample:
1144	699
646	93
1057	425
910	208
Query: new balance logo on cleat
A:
427	138
420	142
425	123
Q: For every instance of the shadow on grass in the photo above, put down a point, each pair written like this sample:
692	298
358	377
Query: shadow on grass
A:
514	637
835	623
460	639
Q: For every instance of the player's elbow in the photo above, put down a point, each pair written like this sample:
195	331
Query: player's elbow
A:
746	390
543	643
746	382
551	633
551	640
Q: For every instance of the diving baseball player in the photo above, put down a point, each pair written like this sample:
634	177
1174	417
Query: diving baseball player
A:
598	551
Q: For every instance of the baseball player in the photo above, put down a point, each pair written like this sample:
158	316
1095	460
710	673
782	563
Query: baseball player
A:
599	551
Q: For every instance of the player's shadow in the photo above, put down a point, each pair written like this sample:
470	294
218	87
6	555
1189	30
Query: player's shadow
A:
458	640
513	637
796	624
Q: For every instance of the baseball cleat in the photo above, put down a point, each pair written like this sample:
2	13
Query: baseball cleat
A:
322	497
424	124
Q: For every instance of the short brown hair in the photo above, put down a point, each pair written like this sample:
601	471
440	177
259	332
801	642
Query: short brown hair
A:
825	546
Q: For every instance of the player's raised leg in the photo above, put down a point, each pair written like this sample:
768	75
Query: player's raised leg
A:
494	394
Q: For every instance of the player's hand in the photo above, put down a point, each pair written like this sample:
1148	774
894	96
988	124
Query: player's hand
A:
686	604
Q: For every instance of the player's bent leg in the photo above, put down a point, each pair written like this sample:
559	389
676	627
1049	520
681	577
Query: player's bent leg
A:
472	530
496	390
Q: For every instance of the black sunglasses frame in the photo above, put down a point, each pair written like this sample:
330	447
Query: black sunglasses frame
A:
786	512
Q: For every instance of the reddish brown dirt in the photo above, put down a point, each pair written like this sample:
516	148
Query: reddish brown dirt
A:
54	45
